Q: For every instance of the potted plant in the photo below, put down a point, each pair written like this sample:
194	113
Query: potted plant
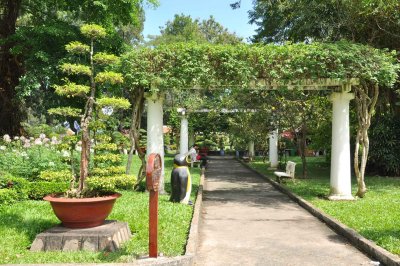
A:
83	205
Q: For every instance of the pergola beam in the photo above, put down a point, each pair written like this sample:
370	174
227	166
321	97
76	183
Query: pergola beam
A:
306	84
302	84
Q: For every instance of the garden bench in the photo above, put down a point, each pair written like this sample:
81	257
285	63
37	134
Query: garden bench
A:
195	162
290	169
246	159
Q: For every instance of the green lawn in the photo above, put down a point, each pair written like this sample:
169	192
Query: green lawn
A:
20	222
376	217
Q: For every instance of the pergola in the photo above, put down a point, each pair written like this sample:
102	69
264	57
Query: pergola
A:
340	68
341	95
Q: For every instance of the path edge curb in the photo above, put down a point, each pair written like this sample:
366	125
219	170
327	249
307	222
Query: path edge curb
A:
357	240
191	246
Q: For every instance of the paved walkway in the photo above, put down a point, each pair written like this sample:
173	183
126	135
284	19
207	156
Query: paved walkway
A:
245	221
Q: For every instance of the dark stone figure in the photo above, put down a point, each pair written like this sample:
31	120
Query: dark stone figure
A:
181	183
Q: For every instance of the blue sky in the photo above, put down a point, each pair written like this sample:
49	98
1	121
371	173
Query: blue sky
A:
233	20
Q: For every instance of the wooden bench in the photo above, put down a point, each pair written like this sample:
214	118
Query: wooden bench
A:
290	169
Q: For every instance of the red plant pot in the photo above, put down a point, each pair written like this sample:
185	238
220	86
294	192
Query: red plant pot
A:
82	213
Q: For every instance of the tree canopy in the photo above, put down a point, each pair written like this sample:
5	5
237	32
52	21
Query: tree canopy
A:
32	36
186	29
363	21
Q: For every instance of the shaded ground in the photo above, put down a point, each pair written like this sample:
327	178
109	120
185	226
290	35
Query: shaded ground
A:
245	221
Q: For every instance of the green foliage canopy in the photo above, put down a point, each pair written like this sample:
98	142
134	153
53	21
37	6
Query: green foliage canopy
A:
184	65
365	21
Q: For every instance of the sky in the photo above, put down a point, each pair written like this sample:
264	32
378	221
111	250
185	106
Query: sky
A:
234	20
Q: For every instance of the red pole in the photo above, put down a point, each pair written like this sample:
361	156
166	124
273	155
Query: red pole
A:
153	223
153	174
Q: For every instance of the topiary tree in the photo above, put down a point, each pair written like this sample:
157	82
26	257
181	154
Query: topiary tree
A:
96	82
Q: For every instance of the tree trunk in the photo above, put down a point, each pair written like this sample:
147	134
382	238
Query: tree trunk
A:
86	118
134	135
135	126
301	145
11	69
303	148
85	152
130	154
365	108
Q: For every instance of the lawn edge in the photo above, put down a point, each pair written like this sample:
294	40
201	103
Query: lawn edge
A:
357	240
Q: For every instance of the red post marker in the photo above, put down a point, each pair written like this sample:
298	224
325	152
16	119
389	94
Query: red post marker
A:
153	174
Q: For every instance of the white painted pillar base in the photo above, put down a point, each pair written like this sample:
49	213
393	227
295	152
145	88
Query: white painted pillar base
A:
184	139
273	149
155	136
340	181
251	149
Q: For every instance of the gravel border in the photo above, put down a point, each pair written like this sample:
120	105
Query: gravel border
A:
357	240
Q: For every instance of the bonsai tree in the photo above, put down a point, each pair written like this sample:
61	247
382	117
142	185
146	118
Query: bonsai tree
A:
95	82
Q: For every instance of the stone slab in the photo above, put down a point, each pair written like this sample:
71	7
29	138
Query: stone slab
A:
107	237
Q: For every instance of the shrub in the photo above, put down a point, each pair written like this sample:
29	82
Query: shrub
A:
9	196
108	158
56	176
110	183
19	188
112	170
124	181
29	162
15	186
37	190
384	143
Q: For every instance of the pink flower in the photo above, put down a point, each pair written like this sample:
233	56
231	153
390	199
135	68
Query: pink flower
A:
42	136
38	142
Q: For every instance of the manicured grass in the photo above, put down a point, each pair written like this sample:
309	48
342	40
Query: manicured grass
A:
20	222
376	217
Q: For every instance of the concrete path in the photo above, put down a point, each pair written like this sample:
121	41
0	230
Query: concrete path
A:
245	221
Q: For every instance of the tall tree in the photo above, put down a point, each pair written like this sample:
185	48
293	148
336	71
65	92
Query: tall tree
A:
186	29
25	25
10	68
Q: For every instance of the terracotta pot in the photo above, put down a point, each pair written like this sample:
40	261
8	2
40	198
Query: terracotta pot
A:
82	213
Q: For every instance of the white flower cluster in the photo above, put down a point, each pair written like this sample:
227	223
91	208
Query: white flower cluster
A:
7	138
28	142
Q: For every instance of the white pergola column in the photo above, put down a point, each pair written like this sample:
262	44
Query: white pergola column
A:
340	162
192	138
155	136
251	148
273	149
184	139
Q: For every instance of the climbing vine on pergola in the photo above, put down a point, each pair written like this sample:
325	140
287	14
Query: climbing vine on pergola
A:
340	66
